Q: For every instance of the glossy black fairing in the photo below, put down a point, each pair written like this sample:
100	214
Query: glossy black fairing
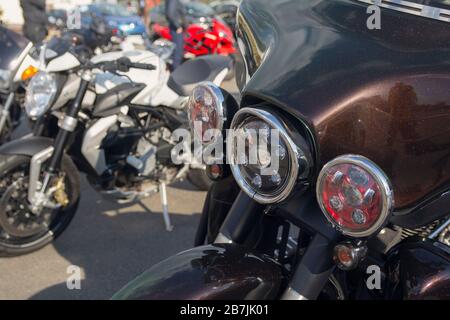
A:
382	93
214	272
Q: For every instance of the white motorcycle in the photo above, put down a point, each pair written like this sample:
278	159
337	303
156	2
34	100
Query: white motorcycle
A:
112	118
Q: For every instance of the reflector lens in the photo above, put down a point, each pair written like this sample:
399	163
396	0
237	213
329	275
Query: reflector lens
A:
354	197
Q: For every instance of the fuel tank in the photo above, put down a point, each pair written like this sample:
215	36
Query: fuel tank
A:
383	94
421	271
212	272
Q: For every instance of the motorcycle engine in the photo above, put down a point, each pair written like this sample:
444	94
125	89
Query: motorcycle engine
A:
150	157
145	158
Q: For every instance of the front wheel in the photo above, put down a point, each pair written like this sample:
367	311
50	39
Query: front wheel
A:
21	230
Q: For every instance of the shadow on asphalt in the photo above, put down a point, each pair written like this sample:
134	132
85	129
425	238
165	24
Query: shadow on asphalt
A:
114	243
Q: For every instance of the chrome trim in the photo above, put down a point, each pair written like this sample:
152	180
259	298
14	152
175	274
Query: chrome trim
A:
380	177
412	8
35	169
291	294
4	110
216	92
87	75
68	123
221	238
439	229
294	152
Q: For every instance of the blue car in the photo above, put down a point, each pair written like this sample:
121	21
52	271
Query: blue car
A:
118	18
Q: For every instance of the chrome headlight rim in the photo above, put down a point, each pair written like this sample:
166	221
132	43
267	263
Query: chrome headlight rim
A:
294	153
221	109
380	177
54	92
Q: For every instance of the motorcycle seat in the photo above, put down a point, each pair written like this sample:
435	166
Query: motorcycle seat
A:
192	72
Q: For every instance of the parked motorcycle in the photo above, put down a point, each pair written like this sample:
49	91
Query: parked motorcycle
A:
359	207
111	117
202	38
16	66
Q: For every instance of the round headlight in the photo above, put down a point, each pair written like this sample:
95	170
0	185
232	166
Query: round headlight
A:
355	195
41	92
206	111
263	157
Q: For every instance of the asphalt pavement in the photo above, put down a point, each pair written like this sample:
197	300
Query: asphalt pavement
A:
110	243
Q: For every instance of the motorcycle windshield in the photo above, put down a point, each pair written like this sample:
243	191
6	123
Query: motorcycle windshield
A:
12	45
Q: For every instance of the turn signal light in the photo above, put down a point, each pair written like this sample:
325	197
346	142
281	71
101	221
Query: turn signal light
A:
355	195
29	73
348	256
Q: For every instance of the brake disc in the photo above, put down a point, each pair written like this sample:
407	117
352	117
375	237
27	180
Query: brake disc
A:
16	218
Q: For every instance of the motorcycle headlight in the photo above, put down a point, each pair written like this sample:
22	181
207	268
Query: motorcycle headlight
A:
206	111
5	78
41	92
266	160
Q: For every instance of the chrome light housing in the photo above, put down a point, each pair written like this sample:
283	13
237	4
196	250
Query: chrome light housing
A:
41	92
206	111
262	179
355	195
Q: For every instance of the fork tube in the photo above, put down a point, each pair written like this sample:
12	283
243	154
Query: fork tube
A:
5	111
68	125
240	221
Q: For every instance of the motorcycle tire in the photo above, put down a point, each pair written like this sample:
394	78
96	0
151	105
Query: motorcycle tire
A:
54	221
200	179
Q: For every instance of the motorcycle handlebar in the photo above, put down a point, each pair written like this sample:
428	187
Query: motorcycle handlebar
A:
122	64
145	66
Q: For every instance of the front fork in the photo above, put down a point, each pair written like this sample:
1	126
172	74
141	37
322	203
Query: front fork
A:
313	271
37	194
5	112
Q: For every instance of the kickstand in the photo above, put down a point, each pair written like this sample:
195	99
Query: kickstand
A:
165	207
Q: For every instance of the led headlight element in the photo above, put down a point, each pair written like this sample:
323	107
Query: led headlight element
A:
268	174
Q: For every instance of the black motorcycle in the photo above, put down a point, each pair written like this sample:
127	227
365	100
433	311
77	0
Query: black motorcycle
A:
358	205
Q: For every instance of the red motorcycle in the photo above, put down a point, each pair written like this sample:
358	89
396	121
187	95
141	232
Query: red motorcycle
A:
201	39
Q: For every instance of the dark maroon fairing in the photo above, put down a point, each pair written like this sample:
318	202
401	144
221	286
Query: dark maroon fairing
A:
403	124
421	271
383	94
213	272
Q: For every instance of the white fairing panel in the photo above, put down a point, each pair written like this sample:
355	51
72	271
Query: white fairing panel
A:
69	91
65	62
92	141
28	61
153	79
167	97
